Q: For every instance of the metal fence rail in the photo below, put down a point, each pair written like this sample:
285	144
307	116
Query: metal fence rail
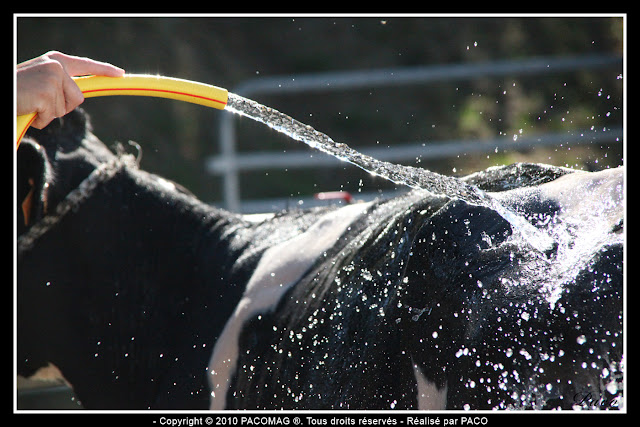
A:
229	163
261	160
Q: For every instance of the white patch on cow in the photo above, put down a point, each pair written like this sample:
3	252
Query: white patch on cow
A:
258	218
280	267
429	396
589	197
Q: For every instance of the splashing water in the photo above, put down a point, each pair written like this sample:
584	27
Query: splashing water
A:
592	208
565	242
406	175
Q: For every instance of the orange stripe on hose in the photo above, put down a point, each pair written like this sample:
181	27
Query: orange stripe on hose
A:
25	130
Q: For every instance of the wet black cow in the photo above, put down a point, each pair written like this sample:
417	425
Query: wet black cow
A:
145	297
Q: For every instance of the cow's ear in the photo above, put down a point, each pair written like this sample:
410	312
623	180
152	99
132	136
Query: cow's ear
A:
33	181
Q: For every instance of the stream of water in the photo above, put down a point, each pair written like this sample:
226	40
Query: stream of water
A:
405	175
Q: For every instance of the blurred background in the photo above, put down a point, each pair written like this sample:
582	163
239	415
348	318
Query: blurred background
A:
490	103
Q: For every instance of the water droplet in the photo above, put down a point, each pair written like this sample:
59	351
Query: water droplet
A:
525	353
581	339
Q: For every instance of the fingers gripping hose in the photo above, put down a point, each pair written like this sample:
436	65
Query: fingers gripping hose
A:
141	85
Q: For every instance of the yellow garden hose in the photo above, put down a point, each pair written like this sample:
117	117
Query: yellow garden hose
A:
141	85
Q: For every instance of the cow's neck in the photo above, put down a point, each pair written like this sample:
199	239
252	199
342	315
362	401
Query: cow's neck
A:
140	295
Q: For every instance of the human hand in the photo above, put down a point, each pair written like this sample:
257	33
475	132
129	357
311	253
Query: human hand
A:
45	86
